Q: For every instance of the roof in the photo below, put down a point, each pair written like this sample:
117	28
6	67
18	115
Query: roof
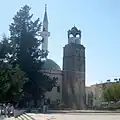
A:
45	15
50	64
74	31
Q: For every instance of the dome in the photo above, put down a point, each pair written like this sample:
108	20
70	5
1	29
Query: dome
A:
50	64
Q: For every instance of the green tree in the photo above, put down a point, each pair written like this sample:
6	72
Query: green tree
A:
23	49
112	93
11	76
5	48
25	44
11	82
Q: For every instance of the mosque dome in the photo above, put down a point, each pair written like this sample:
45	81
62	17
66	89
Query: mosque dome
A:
50	64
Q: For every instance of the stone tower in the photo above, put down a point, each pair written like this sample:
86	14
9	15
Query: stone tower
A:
73	87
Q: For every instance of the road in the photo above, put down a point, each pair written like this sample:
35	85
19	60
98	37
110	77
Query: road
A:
76	116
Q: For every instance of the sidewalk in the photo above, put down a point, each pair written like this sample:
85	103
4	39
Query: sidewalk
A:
6	118
39	116
83	111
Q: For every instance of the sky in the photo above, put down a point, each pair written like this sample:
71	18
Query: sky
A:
99	21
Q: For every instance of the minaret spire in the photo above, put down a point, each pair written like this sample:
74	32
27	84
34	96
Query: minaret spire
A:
45	15
45	7
45	34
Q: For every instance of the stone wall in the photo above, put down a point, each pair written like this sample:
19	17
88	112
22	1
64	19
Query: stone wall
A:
54	95
74	76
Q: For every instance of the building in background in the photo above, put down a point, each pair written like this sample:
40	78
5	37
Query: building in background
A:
97	92
89	97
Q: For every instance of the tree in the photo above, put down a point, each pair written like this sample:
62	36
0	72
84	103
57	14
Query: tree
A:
11	76
112	93
23	54
25	44
11	82
5	48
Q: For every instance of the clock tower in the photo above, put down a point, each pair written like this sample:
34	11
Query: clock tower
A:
73	86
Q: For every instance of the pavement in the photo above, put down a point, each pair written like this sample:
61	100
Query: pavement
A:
83	111
76	116
69	115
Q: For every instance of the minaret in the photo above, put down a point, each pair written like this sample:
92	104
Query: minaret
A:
45	34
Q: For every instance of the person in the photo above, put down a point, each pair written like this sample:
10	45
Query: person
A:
8	109
48	103
3	110
58	102
45	106
12	111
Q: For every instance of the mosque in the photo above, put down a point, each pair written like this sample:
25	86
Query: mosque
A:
70	88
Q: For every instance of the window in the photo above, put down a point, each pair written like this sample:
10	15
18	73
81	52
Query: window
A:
58	89
55	78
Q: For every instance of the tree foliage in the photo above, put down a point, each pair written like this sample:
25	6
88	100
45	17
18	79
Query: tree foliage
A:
23	49
12	77
11	82
112	93
5	48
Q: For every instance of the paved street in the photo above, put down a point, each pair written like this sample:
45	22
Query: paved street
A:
76	116
69	116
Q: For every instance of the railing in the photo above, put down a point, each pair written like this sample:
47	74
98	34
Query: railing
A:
17	113
21	114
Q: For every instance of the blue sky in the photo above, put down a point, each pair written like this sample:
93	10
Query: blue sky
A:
99	21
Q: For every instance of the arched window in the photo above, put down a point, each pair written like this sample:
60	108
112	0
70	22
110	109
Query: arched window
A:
58	89
71	35
77	35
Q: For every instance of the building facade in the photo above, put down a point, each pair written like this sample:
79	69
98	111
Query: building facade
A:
97	93
70	89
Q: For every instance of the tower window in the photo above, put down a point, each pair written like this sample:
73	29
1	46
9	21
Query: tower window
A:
43	29
58	89
71	35
77	35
